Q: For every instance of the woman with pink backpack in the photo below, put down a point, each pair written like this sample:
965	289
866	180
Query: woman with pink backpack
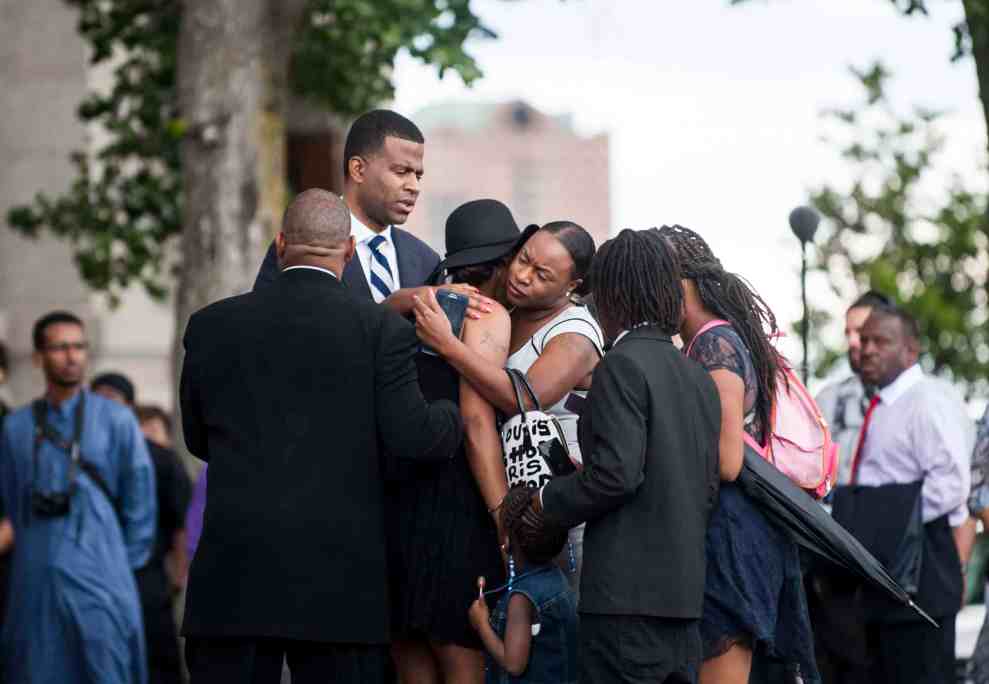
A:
754	602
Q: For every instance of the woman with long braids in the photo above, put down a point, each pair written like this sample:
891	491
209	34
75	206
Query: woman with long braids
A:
754	598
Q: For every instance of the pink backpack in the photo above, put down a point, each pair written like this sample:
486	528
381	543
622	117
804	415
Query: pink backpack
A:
799	443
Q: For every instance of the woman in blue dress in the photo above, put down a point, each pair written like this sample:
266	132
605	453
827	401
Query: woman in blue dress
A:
754	602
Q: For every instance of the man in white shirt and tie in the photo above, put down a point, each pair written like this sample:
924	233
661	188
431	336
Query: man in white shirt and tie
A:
383	170
844	402
915	433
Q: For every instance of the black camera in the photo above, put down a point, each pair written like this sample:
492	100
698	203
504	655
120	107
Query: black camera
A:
50	504
55	504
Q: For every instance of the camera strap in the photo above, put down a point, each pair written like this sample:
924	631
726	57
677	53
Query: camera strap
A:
43	431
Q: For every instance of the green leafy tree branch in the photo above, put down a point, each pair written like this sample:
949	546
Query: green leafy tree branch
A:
907	228
124	205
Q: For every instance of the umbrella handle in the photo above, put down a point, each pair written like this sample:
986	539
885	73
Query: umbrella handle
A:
922	614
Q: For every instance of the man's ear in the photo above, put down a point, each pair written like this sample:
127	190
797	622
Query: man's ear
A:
36	359
357	167
349	250
913	350
280	245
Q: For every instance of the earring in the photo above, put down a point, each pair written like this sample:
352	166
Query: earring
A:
511	572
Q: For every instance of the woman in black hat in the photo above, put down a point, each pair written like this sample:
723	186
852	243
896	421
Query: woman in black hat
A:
444	522
555	341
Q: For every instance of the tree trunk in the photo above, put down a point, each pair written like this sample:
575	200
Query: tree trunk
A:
233	60
977	19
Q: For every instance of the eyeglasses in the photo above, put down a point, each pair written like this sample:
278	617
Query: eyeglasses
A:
66	346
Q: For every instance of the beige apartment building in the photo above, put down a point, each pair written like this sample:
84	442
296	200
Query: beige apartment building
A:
533	162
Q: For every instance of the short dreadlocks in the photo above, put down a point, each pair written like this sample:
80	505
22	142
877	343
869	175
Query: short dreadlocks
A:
635	278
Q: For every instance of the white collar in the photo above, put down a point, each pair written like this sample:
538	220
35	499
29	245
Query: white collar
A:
311	268
623	333
362	233
618	339
904	381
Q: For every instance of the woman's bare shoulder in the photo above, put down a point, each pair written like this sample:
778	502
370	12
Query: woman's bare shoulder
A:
492	330
498	320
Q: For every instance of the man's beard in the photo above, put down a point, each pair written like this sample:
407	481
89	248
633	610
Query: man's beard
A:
66	383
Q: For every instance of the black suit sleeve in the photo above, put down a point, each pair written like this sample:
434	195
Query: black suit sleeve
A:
269	270
613	452
408	426
193	423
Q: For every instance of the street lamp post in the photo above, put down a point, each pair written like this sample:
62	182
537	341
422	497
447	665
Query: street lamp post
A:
803	223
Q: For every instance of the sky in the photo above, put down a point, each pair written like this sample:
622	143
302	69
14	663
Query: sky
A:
713	111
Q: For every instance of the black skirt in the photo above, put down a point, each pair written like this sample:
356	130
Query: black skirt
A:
441	537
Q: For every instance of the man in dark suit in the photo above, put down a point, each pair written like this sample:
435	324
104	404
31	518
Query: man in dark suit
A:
649	435
295	394
383	167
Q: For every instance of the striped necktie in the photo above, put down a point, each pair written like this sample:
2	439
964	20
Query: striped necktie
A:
382	280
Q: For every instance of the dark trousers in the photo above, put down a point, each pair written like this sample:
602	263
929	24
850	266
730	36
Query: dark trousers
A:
913	652
160	634
634	649
259	661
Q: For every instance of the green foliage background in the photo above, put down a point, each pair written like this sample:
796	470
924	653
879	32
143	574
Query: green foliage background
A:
125	203
896	230
909	228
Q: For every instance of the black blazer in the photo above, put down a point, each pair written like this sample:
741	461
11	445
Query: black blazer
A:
416	263
293	395
649	440
887	521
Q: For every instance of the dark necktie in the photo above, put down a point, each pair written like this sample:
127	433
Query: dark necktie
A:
857	458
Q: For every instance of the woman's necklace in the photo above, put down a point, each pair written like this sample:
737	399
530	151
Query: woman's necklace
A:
530	573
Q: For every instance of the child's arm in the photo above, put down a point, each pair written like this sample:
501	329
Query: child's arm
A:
513	653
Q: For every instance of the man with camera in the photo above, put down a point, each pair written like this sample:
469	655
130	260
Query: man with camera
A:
78	487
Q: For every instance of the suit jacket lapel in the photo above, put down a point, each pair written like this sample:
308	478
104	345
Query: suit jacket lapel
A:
353	276
408	266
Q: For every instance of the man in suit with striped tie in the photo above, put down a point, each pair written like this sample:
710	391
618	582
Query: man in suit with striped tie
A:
383	168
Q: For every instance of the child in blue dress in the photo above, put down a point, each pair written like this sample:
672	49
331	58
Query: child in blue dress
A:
531	636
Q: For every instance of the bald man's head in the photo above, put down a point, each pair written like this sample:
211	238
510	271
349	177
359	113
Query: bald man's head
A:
316	217
315	231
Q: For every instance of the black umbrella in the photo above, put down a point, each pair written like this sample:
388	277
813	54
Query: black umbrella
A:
810	526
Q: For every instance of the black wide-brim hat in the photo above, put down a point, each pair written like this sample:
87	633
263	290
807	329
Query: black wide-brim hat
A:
480	231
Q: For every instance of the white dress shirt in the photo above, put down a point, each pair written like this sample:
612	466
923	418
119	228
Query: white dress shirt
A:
313	268
362	235
920	430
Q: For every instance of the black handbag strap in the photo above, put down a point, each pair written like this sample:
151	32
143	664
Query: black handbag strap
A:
521	382
517	386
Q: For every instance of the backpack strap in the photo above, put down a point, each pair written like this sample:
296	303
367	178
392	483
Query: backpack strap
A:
716	323
767	429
